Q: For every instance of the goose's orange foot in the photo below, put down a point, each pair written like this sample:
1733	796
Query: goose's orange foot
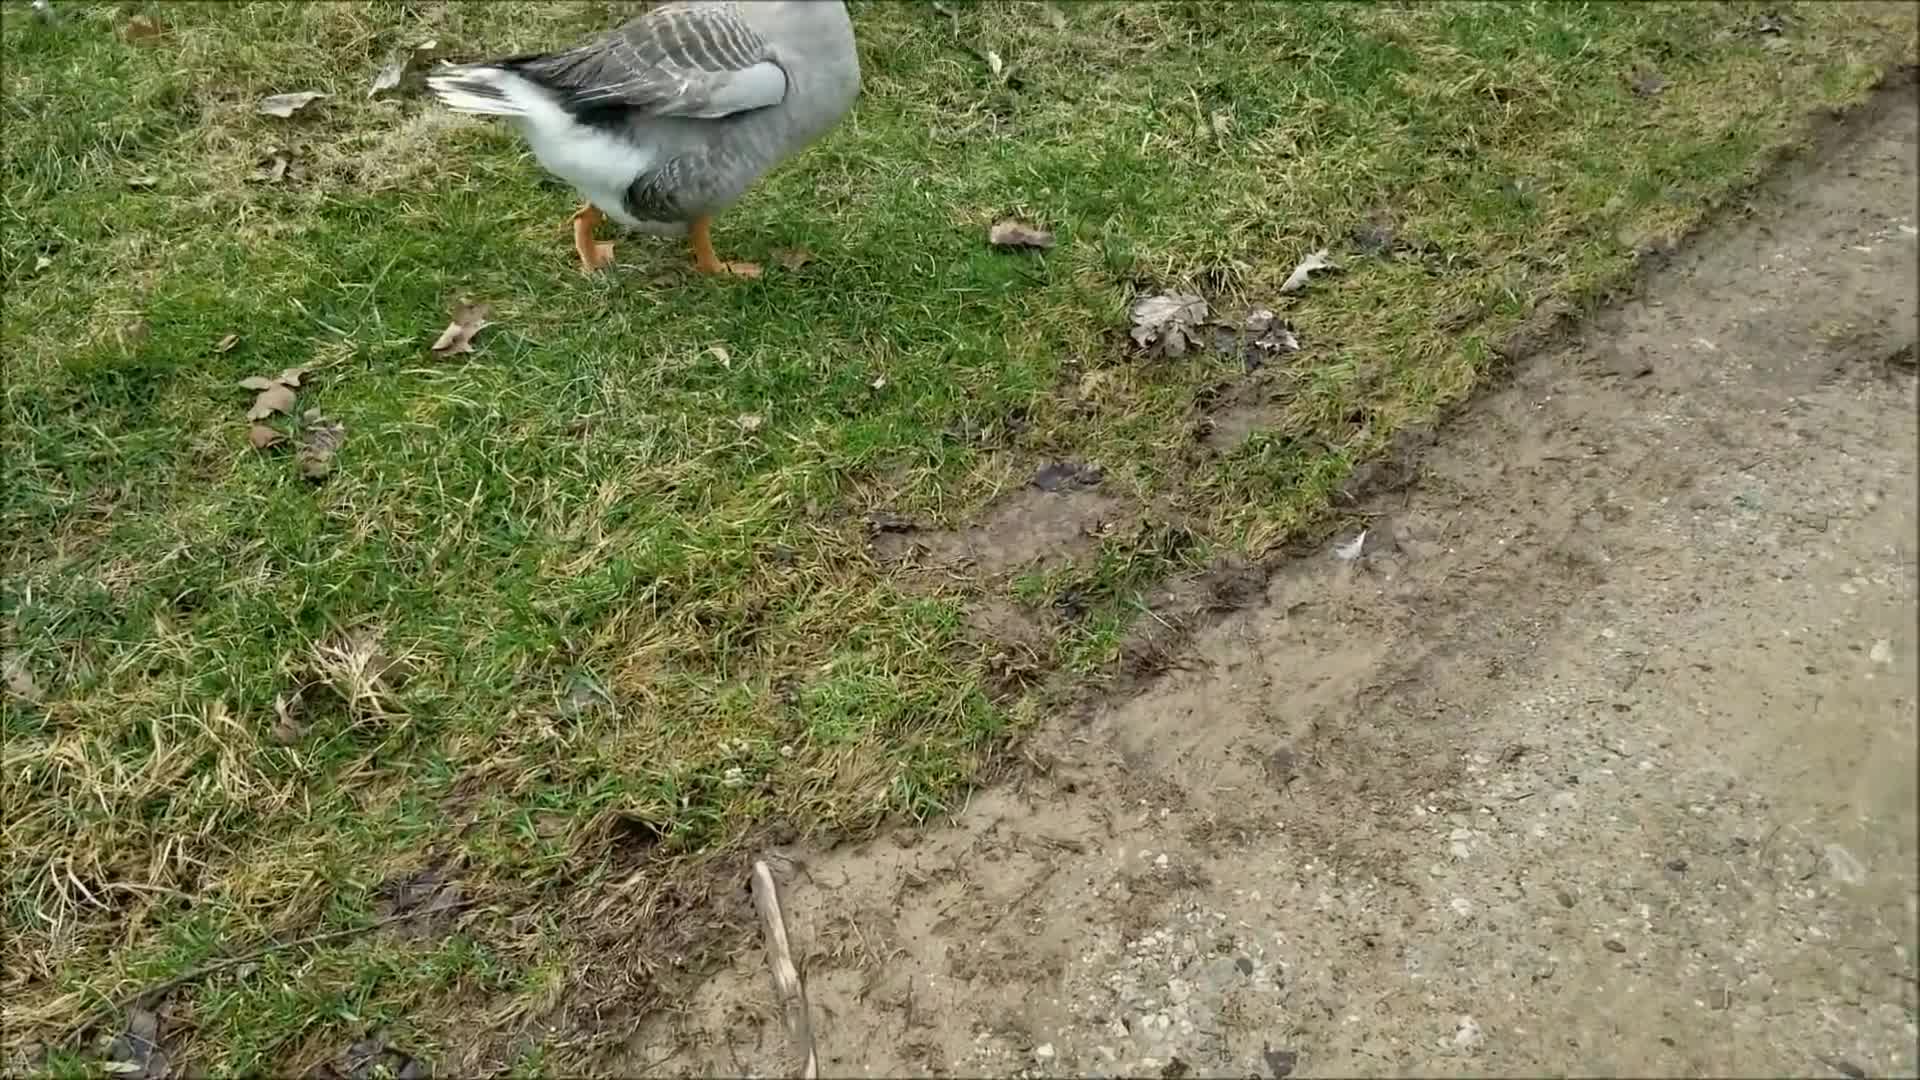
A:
594	255
705	261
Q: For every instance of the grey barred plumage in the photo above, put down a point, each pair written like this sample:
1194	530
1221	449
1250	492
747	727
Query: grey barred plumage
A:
671	117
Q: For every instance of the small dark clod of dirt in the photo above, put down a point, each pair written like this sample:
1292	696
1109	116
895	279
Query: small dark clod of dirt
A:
1283	765
1175	1069
1844	1067
136	1052
886	521
430	892
1375	237
1565	898
1614	945
1678	866
1232	586
372	1059
1280	1063
1243	965
1066	475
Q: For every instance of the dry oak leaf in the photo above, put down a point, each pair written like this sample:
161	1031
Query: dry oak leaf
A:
285	105
1009	233
468	320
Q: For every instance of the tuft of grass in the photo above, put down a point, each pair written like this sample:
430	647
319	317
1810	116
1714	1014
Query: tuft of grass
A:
563	629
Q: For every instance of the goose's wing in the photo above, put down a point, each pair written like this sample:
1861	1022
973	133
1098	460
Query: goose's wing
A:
693	60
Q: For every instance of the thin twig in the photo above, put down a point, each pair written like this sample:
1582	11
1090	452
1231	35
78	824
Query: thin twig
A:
786	973
209	968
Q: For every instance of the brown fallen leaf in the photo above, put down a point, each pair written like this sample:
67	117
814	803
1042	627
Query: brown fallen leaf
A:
142	29
750	422
274	399
287	725
320	440
285	105
399	66
1166	324
262	437
1009	233
271	169
143	182
291	376
793	258
258	382
19	679
227	343
468	320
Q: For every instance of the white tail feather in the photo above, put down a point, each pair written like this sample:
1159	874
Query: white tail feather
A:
488	91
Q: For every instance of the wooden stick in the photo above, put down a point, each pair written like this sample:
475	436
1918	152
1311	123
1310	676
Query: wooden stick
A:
786	973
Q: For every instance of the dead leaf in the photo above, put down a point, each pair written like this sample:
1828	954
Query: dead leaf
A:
400	65
41	264
271	169
142	29
143	182
134	334
1311	264
389	75
1647	83
136	1052
227	343
995	65
262	437
1221	123
20	680
1092	381
1061	475
793	258
290	378
468	320
274	399
1166	324
750	422
287	726
879	382
1009	233
320	440
285	105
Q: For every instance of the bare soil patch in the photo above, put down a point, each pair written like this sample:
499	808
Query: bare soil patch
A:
1604	764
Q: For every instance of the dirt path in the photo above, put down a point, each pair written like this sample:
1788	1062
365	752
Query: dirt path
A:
1606	764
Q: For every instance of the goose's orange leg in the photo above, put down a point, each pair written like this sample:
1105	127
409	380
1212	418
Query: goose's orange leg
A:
594	255
705	261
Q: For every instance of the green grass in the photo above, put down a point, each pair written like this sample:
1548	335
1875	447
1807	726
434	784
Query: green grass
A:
560	623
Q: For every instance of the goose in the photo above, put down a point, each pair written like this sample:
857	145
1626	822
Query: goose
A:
667	120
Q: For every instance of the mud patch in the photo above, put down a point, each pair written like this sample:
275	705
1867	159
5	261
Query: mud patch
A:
1029	528
430	895
1605	766
372	1058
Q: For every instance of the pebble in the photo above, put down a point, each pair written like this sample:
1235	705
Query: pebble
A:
1882	652
1043	1052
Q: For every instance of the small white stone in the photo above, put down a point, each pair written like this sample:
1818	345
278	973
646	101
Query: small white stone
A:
1462	906
1044	1051
1467	1034
1882	652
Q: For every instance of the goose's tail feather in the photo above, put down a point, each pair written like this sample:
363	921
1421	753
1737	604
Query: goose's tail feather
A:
483	89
